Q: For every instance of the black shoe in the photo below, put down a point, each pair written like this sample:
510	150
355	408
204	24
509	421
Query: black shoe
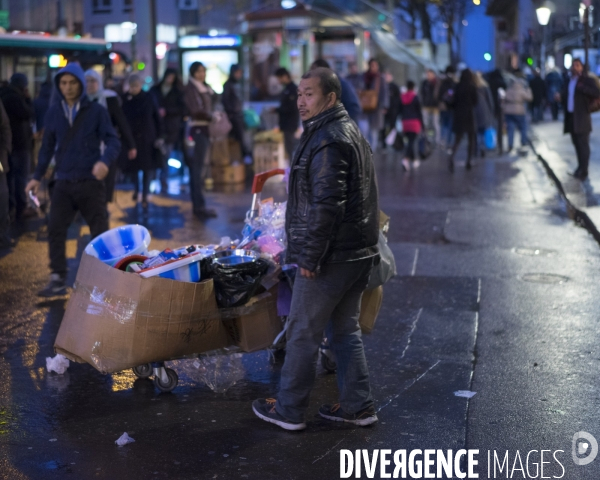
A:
363	418
264	408
55	287
582	176
204	213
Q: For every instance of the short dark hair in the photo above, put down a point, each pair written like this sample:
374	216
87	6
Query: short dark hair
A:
282	72
194	68
410	85
319	62
328	81
450	70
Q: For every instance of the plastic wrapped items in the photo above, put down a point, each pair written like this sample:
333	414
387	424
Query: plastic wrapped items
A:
235	284
266	232
219	372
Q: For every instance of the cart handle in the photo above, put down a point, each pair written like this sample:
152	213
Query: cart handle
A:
261	178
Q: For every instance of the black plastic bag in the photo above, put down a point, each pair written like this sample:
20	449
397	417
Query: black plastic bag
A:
236	284
399	142
425	147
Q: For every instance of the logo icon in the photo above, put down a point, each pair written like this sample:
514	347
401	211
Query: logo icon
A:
585	448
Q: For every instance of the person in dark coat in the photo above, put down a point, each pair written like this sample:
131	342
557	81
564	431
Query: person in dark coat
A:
554	85
373	80
496	82
393	110
168	94
19	109
332	223
234	107
465	101
289	118
576	96
430	99
349	96
5	147
141	112
412	124
446	93
41	105
538	88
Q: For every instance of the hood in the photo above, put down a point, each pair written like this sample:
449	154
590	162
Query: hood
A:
19	81
95	75
75	70
408	97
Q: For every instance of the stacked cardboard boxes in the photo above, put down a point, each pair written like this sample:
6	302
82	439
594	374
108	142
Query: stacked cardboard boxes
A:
226	162
269	151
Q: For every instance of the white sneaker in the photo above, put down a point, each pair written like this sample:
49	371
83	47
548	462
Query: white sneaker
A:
416	164
406	164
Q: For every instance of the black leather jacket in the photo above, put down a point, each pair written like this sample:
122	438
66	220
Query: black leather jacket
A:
333	206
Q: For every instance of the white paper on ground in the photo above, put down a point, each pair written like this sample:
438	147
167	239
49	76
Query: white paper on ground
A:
59	364
124	440
464	393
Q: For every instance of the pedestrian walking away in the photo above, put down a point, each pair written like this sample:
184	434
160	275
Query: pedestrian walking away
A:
430	92
109	100
554	85
5	146
289	118
19	108
234	107
412	124
141	112
445	99
518	94
576	97
75	129
199	99
168	94
538	104
390	117
332	229
497	85
349	97
464	103
484	111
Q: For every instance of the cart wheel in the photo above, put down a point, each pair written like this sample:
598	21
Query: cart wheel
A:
170	385
143	371
328	364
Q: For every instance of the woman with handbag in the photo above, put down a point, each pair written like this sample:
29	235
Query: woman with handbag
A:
484	111
412	124
375	101
199	99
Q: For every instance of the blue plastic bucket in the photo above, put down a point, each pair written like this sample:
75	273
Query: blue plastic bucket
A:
120	242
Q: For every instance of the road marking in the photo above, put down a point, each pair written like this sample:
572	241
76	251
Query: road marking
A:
414	267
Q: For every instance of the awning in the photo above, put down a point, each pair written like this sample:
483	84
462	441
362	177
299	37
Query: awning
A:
397	51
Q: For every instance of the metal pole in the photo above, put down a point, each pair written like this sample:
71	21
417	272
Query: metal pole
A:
586	27
543	52
154	65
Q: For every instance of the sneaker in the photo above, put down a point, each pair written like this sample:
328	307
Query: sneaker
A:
55	288
406	164
416	163
264	408
363	418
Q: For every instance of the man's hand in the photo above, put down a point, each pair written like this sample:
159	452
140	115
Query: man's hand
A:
32	186
307	274
100	171
132	153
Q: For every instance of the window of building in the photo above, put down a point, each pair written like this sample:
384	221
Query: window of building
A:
127	5
101	6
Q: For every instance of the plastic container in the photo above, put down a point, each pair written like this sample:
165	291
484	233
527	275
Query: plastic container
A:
118	243
186	269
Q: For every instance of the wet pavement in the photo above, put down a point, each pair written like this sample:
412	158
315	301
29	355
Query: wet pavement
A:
495	293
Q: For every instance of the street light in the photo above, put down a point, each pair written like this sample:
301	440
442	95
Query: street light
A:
543	16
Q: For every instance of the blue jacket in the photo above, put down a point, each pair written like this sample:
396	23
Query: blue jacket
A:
83	152
350	99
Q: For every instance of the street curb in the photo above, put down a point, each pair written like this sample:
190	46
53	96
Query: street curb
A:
581	218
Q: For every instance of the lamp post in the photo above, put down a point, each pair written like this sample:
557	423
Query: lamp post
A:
543	16
584	16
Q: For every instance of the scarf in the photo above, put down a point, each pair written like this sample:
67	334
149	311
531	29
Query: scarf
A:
201	86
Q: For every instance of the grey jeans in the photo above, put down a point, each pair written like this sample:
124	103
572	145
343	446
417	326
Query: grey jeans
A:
335	294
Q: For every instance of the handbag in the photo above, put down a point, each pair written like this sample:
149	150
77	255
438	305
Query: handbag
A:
369	98
391	137
425	147
386	268
220	126
399	142
490	138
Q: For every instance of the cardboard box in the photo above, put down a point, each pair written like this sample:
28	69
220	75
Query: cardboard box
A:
235	151
268	156
256	324
228	174
116	320
219	152
369	309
